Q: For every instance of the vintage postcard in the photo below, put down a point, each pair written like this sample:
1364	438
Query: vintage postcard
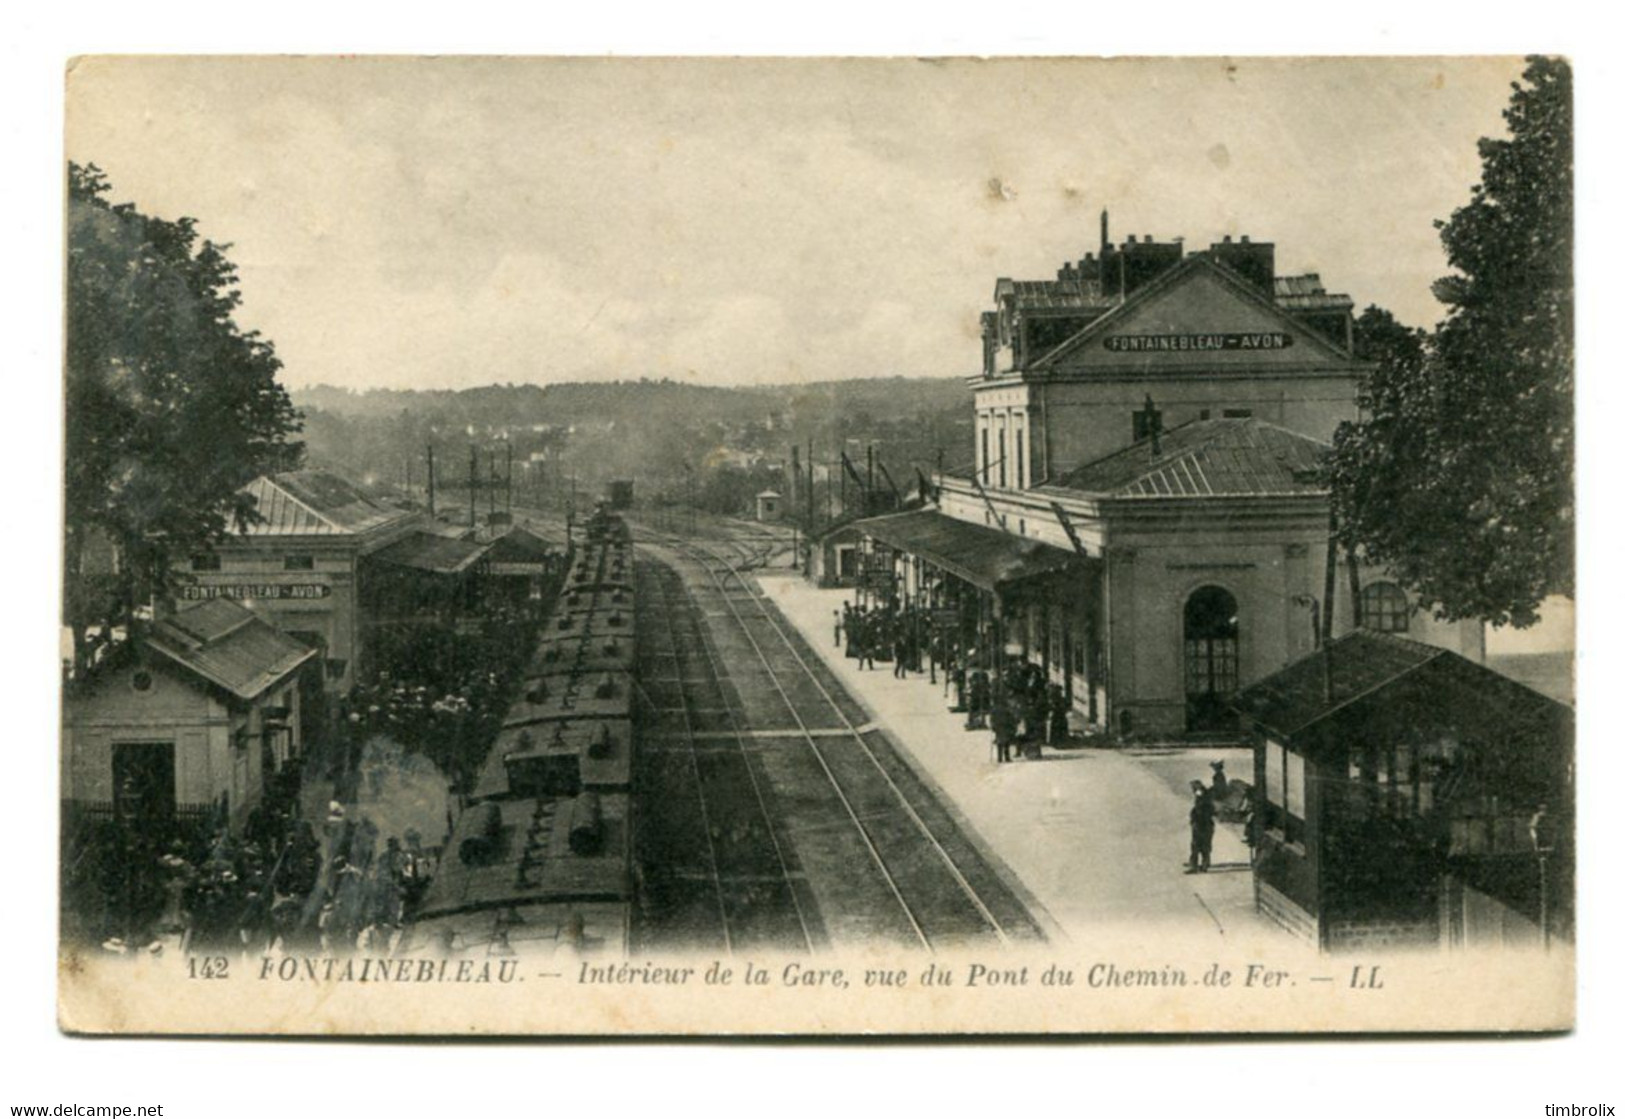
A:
584	546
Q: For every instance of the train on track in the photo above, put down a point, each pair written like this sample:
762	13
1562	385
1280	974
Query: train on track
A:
540	858
639	796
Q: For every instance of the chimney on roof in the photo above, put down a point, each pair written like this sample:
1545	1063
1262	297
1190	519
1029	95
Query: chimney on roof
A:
1131	239
1149	238
1227	238
1252	260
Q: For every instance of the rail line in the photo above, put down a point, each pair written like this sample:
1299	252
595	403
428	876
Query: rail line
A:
739	734
699	780
719	570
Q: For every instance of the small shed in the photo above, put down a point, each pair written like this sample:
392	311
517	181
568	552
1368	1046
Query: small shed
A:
185	726
1409	797
834	557
769	505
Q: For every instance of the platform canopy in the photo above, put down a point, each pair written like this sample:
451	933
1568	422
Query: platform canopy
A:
990	559
436	555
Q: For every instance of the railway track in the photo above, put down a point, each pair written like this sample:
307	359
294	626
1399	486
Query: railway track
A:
907	873
746	868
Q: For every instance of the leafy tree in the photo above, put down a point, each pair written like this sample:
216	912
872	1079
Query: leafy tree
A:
170	407
1460	476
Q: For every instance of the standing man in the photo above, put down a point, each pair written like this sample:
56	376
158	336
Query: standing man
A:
979	697
837	614
1004	727
1057	715
1201	817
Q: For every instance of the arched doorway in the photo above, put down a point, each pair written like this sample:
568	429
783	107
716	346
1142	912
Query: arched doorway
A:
1212	662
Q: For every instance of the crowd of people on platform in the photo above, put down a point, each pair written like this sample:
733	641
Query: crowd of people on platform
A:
1023	709
888	631
441	694
277	885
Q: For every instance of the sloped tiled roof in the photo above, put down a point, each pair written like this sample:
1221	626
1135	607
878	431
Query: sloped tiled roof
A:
986	557
1307	293
229	646
1206	458
1360	663
1363	666
426	551
314	503
520	545
1040	294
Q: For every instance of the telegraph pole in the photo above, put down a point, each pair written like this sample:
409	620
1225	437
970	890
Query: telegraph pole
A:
869	485
431	479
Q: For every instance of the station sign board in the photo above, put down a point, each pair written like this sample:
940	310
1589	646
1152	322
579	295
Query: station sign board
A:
1181	343
261	591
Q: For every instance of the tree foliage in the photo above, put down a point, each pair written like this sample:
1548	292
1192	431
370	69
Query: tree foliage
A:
170	407
1459	476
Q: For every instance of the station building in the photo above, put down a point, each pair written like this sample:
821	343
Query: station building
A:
1143	499
305	564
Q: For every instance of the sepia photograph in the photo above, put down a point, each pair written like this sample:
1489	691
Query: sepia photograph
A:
716	547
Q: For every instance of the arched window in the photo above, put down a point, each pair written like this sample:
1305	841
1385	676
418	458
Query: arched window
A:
1212	659
1384	608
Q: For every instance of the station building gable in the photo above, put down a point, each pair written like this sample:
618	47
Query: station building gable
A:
1199	317
1199	341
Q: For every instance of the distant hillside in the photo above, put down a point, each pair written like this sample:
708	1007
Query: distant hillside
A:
657	431
881	398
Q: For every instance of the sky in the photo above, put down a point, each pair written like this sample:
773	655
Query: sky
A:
450	223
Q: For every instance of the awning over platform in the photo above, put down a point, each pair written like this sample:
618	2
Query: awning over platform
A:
438	555
986	557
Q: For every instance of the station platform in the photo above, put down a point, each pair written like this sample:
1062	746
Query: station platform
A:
1096	837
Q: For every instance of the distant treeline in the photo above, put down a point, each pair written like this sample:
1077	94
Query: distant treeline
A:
673	439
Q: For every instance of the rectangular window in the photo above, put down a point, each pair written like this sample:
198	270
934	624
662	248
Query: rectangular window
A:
1146	422
1238	413
1002	475
986	461
1285	795
1021	461
299	563
206	561
1274	772
1404	781
846	562
1296	797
